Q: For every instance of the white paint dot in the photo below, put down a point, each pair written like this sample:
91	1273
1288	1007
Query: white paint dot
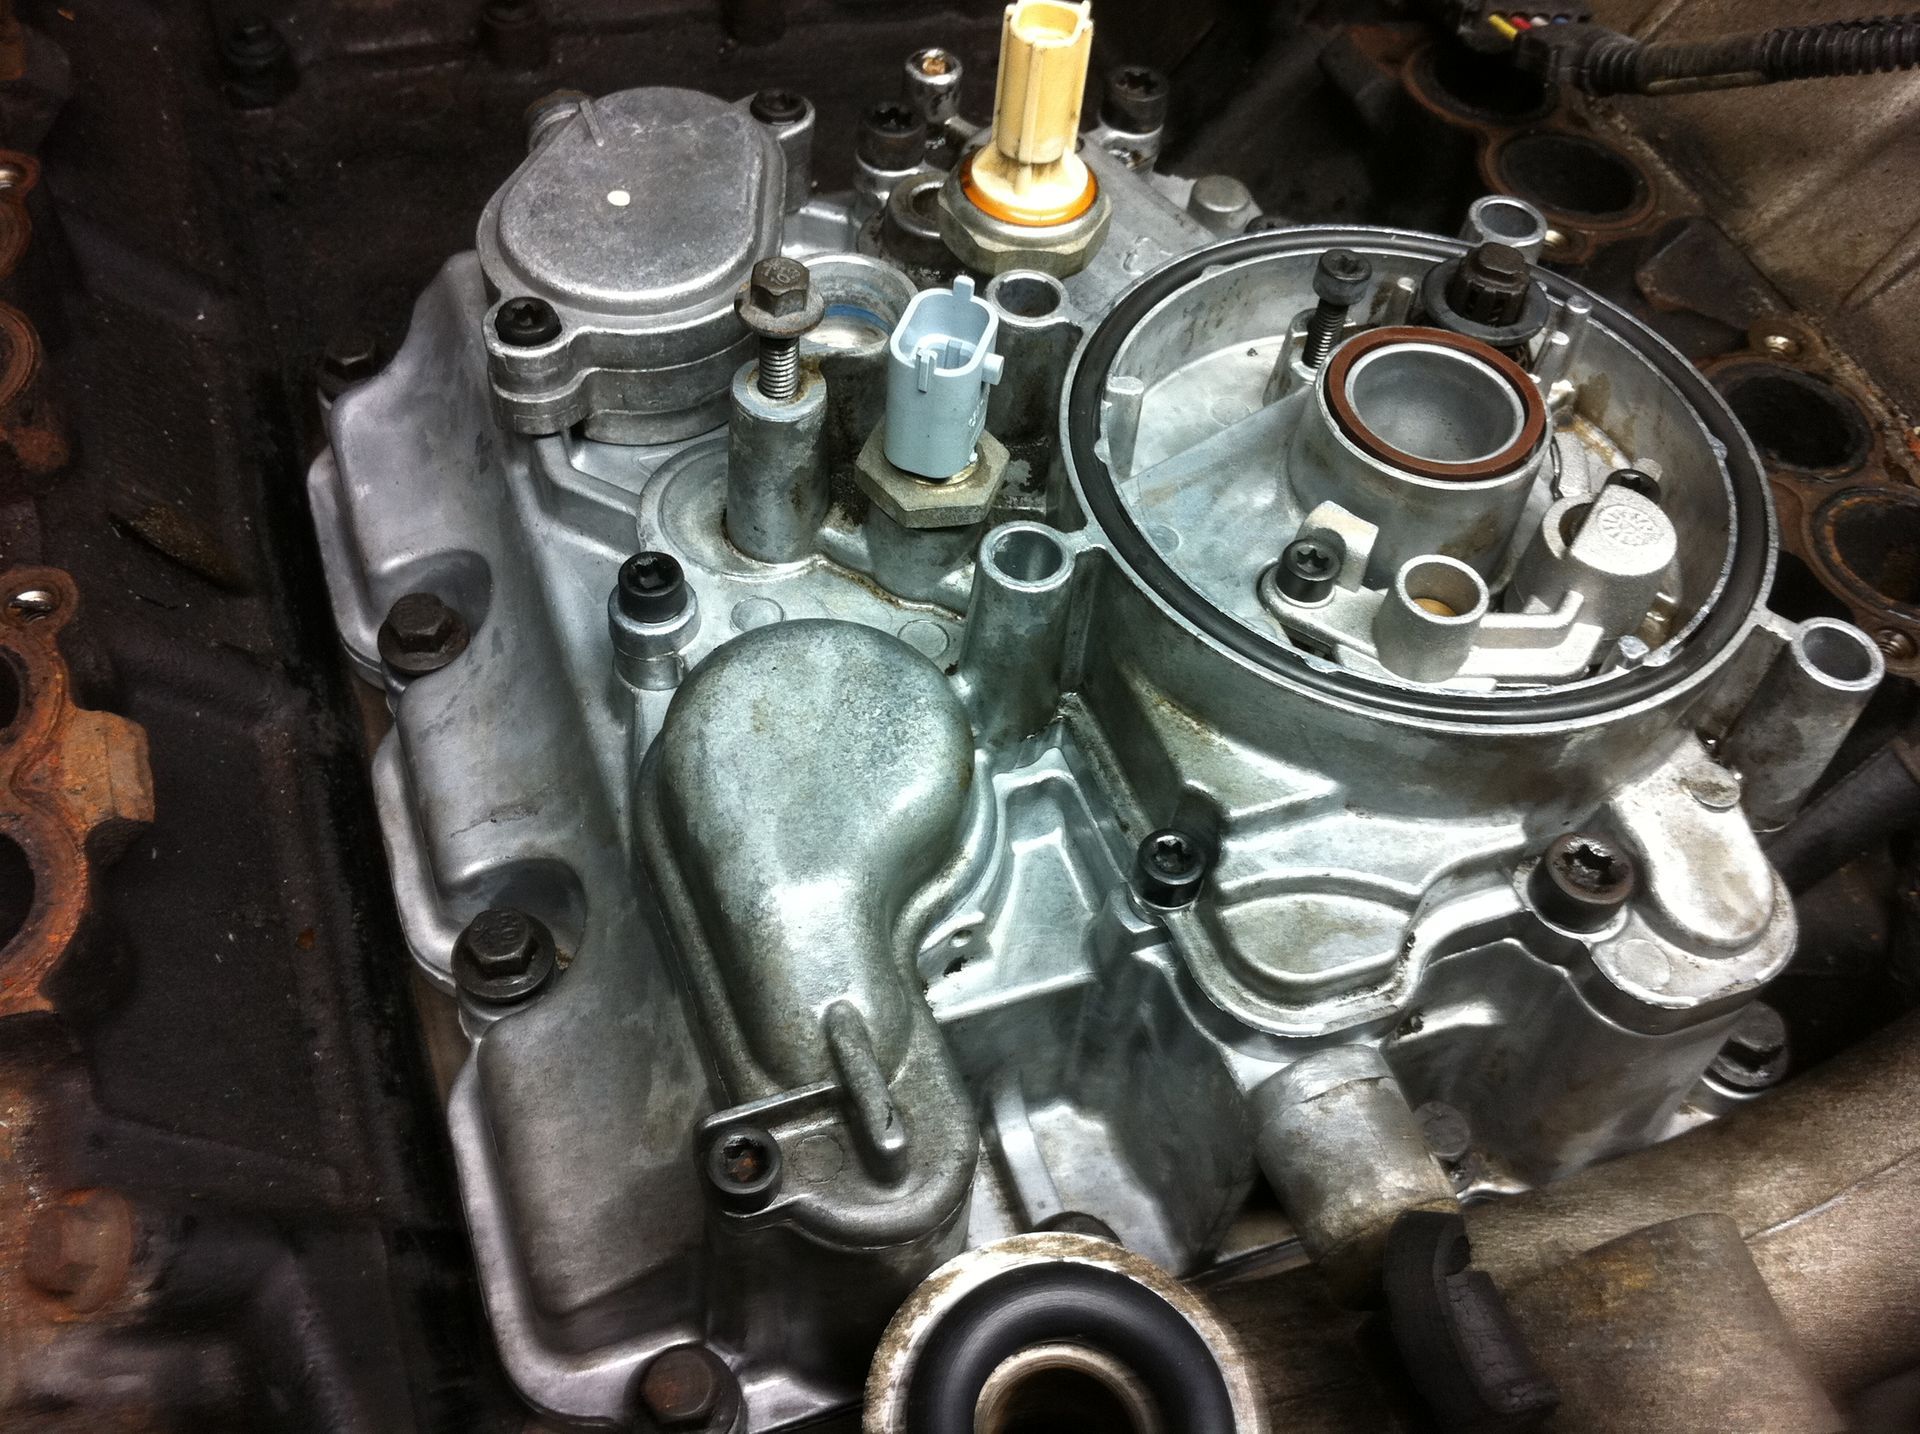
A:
619	198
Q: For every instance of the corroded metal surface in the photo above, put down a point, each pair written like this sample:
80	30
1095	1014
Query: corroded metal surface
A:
76	783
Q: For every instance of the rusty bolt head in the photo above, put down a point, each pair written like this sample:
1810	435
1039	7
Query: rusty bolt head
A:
503	955
421	635
81	1248
687	1387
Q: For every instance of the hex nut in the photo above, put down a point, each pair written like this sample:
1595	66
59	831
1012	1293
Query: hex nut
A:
992	246
918	503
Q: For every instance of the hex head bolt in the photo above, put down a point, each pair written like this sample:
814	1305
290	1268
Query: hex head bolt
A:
778	305
1168	868
421	635
503	955
1582	882
1339	280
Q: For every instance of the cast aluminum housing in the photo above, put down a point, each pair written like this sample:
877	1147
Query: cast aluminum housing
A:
842	858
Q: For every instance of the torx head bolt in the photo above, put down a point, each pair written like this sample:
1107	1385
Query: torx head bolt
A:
1168	868
684	1387
503	955
744	1167
653	588
777	107
526	323
1136	99
1309	567
1490	286
892	137
779	304
1582	881
1339	280
422	634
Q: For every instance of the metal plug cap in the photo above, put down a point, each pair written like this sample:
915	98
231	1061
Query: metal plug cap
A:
652	587
779	300
1341	277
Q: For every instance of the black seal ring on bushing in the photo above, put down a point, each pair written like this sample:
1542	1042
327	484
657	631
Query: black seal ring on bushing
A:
1533	426
1080	1304
1751	535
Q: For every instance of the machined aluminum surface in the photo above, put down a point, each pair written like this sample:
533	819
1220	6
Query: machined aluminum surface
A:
859	884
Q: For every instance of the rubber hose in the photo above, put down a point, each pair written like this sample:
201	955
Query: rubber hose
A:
1799	52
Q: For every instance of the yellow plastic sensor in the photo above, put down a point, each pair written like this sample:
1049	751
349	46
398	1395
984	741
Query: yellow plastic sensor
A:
1027	172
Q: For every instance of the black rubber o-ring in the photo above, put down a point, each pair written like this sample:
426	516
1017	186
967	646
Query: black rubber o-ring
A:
1083	1304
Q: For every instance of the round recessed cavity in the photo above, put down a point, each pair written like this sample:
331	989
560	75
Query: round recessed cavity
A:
1838	655
864	299
1439	405
1026	554
1483	87
1187	383
1572	175
1435	404
1796	420
1502	219
1023	294
1871	536
16	889
1050	1387
1442	590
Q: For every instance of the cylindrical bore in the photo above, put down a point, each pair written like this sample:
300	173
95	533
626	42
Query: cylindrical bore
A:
1434	403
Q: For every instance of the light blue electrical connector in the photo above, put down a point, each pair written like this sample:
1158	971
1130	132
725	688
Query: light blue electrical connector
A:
940	365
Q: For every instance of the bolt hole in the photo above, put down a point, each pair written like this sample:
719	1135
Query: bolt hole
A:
1486	86
1873	536
12	692
1028	296
1839	652
1027	555
1510	221
1446	590
16	889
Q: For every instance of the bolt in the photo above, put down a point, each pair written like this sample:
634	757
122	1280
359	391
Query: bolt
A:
743	1166
1168	868
1894	645
685	1387
1136	99
779	304
81	1249
514	34
526	323
777	107
892	137
1582	881
32	604
652	588
351	358
1447	1133
503	955
1635	480
1490	285
1339	280
1780	345
259	67
421	635
931	84
1309	566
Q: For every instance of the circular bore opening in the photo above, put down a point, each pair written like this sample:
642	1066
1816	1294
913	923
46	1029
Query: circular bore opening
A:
1839	652
1485	86
863	300
16	889
1027	296
1873	536
1437	405
1510	221
1027	555
1064	1389
1444	589
1572	175
12	692
1046	20
1796	420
